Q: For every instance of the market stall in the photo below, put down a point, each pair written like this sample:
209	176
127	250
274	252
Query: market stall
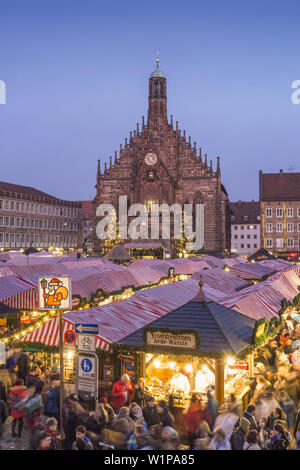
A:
197	346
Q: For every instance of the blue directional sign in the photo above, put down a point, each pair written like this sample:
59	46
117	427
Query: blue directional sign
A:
86	328
86	365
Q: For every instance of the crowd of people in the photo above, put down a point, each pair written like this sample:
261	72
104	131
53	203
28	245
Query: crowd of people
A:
130	419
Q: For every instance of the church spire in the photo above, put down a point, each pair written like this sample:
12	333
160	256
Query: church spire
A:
157	106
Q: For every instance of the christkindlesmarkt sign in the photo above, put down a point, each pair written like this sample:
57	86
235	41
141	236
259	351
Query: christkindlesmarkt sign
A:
173	340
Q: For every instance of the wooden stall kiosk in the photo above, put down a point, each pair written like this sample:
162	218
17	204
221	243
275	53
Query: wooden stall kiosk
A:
197	346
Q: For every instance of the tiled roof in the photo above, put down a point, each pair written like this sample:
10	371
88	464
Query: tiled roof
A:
241	208
27	190
279	186
221	330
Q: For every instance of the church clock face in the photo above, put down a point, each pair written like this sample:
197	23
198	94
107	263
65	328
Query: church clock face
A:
150	158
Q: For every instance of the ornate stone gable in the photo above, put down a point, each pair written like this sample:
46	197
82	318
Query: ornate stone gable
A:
174	171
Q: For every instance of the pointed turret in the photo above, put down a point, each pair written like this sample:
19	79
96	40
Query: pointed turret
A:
99	169
218	167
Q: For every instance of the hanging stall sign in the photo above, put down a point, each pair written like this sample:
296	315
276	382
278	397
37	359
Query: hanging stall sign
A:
171	272
99	296
172	340
76	301
86	343
55	293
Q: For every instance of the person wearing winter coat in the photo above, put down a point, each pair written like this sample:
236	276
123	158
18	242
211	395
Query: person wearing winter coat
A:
80	433
122	392
166	419
52	405
263	434
3	417
219	441
250	415
97	420
23	366
150	413
238	436
287	405
124	416
5	378
279	438
17	393
212	408
140	396
73	416
194	415
297	427
13	372
33	379
135	411
3	395
277	415
51	428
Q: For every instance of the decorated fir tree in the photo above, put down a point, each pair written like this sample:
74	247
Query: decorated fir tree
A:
112	239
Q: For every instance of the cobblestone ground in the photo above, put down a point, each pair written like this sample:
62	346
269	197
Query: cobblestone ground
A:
14	443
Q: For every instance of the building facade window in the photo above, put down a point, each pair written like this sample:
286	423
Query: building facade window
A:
269	242
279	242
279	228
269	228
268	212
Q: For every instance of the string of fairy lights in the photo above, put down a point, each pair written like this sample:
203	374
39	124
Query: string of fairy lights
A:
18	335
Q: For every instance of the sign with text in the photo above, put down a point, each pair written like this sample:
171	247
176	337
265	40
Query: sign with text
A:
173	340
87	376
86	343
55	293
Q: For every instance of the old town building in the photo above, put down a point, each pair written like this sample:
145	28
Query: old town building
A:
160	164
245	227
279	195
32	218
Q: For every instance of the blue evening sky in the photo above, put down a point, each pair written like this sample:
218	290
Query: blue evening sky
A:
77	82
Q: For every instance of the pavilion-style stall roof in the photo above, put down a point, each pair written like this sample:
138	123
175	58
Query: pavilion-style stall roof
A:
262	253
118	253
222	331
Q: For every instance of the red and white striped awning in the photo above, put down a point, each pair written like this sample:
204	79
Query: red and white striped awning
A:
48	333
18	293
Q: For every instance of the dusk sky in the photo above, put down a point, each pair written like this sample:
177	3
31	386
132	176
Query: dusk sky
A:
77	74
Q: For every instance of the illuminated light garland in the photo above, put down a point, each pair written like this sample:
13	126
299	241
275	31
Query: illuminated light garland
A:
112	298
